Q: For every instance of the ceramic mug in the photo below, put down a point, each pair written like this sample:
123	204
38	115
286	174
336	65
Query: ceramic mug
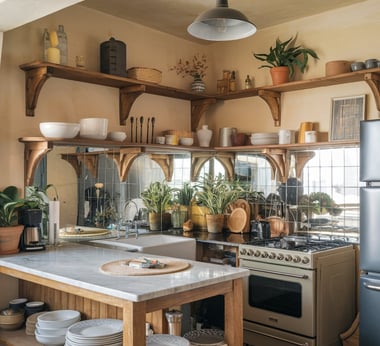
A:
171	139
310	136
160	140
285	136
305	126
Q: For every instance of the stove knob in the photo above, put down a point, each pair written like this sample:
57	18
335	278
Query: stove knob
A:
305	260
264	254
297	259
280	256
257	253
250	252
243	252
272	255
288	258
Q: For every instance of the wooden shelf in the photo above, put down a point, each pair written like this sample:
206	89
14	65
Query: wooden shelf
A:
37	73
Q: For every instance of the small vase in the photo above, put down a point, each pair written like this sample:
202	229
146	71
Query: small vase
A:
198	85
204	136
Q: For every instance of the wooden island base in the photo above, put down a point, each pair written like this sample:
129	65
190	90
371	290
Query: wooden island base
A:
134	314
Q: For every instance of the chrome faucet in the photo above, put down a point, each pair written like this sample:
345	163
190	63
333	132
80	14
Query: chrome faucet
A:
131	222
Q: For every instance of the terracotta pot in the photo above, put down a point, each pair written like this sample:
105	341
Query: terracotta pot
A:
10	239
215	223
198	217
279	75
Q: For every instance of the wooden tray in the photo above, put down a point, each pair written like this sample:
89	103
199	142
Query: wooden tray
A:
121	268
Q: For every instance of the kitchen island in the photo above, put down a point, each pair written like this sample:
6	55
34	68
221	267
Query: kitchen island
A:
73	270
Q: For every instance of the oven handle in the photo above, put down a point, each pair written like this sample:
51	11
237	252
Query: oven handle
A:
303	276
371	287
281	339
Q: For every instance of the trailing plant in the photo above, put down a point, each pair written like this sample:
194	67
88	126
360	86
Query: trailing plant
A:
157	197
287	54
217	193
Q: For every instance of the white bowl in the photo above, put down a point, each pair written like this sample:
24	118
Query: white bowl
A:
186	141
95	128
51	331
58	318
47	339
59	130
118	136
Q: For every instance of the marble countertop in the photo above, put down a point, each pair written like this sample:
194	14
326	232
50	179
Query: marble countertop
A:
78	265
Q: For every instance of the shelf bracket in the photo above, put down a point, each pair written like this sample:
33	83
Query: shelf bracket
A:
278	161
165	161
34	80
33	153
127	96
198	107
124	160
301	159
273	99
227	160
88	160
197	162
373	80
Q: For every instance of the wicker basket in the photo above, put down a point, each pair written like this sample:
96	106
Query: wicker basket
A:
145	74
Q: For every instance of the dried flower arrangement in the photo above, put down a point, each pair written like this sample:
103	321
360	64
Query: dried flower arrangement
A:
196	68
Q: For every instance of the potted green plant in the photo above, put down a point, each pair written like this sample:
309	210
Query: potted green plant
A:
182	204
283	58
216	194
157	198
10	229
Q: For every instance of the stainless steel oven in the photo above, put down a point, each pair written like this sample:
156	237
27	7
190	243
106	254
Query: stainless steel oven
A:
297	295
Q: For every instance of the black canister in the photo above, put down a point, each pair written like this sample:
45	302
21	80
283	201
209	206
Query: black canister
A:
113	57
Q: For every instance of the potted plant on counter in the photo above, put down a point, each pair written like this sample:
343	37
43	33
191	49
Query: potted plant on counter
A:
216	194
157	198
182	204
10	229
283	58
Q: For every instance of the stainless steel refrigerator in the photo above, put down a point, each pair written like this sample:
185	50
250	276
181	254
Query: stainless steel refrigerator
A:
370	233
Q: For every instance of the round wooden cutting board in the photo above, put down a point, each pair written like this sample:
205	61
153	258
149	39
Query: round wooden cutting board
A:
122	268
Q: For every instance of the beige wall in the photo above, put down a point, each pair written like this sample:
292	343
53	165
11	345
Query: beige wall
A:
350	33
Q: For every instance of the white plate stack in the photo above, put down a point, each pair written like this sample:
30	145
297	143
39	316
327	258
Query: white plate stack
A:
51	327
166	340
264	138
97	332
31	322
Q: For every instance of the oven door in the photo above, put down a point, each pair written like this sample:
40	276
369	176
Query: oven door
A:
280	296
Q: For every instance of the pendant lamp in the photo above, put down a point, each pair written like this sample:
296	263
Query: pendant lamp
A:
221	24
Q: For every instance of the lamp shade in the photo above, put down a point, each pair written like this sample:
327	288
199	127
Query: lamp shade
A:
221	24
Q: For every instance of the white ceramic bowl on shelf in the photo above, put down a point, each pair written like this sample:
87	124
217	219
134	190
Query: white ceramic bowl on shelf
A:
58	318
186	141
118	136
59	129
94	128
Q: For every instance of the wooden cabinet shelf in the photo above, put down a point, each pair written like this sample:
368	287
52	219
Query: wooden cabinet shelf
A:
37	73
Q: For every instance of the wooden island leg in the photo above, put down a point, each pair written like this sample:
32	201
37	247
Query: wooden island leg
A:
134	324
233	314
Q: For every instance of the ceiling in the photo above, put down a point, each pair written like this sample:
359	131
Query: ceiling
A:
173	16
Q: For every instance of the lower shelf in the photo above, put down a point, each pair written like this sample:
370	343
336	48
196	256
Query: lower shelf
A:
17	338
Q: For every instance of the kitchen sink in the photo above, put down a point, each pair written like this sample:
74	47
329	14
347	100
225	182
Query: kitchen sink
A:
155	244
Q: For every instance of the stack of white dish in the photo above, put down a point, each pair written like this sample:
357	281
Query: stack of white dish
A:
206	337
264	138
51	327
97	332
166	340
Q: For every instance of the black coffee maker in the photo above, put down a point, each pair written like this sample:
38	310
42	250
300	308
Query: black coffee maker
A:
31	236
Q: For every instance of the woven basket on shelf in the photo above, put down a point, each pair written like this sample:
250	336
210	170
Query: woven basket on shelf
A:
145	74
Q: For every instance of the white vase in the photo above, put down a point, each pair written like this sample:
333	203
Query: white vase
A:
204	136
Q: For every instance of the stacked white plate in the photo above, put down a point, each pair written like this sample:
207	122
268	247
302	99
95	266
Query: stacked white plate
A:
205	337
264	138
97	332
51	327
166	340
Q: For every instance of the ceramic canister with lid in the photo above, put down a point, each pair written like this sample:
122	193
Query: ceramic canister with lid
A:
225	136
113	57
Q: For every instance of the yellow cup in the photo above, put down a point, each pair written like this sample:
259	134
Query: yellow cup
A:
305	126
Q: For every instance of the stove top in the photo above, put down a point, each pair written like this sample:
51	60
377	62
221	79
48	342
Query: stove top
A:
299	243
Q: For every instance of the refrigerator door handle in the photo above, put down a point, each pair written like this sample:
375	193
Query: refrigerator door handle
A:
371	287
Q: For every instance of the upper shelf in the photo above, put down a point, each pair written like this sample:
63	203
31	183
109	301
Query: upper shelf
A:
37	73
